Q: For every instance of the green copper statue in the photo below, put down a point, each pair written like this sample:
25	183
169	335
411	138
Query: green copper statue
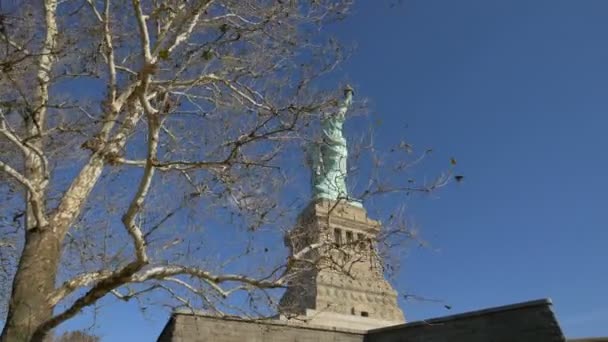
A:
329	156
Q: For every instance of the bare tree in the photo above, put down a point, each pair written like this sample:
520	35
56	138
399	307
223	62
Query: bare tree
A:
74	336
134	133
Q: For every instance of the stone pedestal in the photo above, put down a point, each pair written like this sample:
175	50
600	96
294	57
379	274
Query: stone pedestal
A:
340	282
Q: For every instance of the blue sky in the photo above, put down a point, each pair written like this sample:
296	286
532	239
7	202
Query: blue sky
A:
517	92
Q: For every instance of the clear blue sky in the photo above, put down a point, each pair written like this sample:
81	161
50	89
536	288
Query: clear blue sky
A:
517	91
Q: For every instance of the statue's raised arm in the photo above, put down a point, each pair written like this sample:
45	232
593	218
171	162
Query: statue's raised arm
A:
329	155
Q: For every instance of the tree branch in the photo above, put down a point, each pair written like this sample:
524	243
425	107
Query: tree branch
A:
82	280
144	36
144	186
162	272
186	24
34	197
18	177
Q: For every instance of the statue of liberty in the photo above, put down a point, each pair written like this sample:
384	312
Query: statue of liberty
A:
329	156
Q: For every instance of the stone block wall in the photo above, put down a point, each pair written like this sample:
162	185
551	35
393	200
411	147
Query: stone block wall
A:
348	278
526	322
193	328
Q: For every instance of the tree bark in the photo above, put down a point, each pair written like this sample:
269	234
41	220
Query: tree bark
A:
34	280
33	283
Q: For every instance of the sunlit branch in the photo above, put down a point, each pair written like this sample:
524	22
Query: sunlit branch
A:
144	36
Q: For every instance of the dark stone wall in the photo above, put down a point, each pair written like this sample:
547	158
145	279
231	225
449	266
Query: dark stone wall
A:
526	322
192	328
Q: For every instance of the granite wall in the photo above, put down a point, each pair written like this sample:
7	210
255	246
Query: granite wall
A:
193	328
525	322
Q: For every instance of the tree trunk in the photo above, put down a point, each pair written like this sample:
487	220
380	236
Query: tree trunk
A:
33	283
